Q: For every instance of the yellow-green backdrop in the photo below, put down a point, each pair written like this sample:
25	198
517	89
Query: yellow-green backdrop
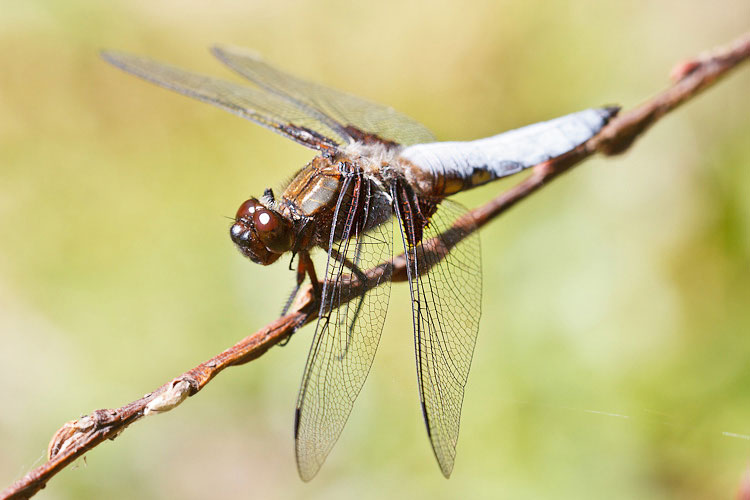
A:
613	356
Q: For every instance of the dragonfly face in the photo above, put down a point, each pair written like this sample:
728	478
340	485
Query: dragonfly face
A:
261	233
379	174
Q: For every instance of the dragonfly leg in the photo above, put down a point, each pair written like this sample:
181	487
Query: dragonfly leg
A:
290	299
363	280
301	273
308	268
305	267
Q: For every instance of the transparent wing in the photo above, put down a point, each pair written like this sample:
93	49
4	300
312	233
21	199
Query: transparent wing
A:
264	108
349	325
446	293
360	118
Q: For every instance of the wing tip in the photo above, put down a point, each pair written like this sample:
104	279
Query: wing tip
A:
446	464
446	470
306	469
306	475
130	63
113	57
224	52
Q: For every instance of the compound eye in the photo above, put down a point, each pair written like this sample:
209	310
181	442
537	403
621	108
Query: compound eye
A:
265	220
247	209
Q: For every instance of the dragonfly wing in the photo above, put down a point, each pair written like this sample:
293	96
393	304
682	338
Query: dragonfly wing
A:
264	108
349	324
446	289
359	118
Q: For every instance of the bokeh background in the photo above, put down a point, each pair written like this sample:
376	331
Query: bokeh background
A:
613	356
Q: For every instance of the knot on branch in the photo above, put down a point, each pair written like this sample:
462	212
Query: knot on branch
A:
171	397
77	430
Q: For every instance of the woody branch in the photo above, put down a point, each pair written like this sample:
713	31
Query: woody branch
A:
79	436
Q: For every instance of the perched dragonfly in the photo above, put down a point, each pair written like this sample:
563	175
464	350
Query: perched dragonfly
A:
376	170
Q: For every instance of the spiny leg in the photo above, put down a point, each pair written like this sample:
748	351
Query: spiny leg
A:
290	299
305	267
301	273
362	277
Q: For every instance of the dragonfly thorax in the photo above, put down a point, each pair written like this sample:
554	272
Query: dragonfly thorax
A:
261	233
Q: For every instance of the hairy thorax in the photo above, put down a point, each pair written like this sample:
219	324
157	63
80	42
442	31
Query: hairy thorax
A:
332	191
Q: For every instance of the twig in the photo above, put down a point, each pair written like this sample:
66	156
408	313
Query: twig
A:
79	436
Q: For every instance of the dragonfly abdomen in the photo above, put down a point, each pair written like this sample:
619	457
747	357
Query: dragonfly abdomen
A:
457	166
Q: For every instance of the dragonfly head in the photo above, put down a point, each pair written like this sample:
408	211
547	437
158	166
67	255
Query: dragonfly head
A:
261	233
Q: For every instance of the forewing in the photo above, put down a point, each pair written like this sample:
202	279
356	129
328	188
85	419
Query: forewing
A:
348	329
350	114
265	108
446	292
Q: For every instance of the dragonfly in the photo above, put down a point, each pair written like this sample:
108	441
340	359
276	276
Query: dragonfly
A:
379	177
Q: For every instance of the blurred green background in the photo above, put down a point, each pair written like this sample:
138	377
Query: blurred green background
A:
613	354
